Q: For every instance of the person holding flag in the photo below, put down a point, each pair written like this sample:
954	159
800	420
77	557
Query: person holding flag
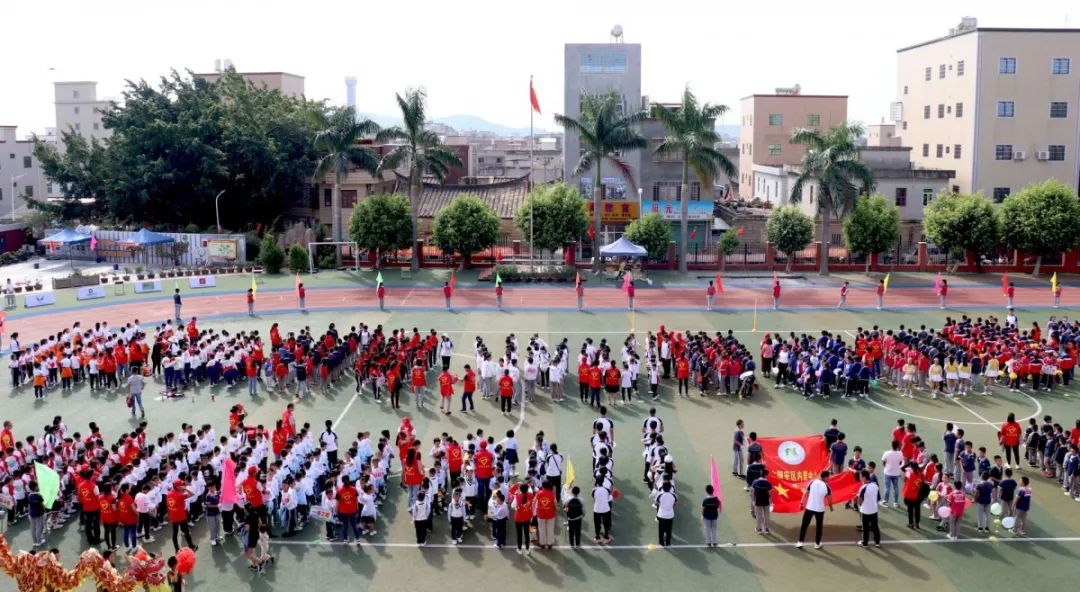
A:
1055	289
498	291
843	295
300	292
943	291
579	288
775	292
380	291
1010	291
882	287
628	287
710	296
176	304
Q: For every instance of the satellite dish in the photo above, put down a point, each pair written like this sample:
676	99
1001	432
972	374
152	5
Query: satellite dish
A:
616	31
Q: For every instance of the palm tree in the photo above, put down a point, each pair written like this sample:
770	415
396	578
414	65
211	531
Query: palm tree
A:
420	150
338	140
603	133
832	159
692	136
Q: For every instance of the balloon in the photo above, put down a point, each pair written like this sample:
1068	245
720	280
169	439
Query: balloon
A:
873	383
944	512
1008	522
616	494
1013	375
185	560
995	509
934	496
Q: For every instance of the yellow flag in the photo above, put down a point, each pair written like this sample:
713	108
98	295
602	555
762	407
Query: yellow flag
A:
254	288
1053	282
885	282
569	473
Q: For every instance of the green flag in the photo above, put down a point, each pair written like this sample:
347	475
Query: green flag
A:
498	279
48	482
378	278
176	284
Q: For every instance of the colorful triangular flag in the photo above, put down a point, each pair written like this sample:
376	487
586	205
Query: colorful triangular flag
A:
626	281
937	284
719	284
1053	283
1004	283
453	283
254	287
714	480
885	282
498	279
297	283
378	278
48	482
577	279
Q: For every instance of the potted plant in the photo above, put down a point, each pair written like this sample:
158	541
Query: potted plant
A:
139	273
38	286
18	289
103	279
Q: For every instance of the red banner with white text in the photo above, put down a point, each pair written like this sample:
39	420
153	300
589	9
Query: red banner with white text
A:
793	462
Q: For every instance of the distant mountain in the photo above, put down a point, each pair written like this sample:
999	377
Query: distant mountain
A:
461	123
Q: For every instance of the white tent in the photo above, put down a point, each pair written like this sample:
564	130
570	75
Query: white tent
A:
623	248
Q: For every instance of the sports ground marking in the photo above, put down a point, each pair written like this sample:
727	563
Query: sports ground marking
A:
982	420
728	545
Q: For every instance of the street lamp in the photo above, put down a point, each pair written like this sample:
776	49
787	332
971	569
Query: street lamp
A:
639	211
217	214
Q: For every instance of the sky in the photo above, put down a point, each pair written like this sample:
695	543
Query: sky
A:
475	56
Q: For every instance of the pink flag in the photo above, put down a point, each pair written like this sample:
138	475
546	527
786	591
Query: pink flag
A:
626	281
229	494
774	278
93	243
937	284
714	480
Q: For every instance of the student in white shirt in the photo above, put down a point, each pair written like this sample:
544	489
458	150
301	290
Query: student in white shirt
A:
420	511
665	500
868	510
601	512
815	498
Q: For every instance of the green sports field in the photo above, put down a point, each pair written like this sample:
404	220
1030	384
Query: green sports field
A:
696	429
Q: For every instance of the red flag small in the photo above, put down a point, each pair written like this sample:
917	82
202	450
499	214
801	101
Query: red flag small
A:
1004	283
719	284
452	283
774	278
592	233
693	234
577	280
532	97
741	231
499	256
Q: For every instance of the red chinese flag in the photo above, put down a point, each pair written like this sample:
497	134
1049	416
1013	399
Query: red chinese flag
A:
719	284
532	97
793	463
1004	283
592	233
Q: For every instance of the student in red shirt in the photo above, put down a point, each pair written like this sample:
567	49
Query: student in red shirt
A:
89	500
881	293
596	382
630	296
468	388
446	391
912	494
776	295
583	380
279	439
447	293
128	518
682	373
523	514
419	381
485	470
176	505
347	508
109	516
380	293
498	296
506	393
251	302
546	507
1010	440
710	296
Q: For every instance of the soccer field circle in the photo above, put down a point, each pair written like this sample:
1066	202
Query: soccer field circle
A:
1023	420
697	429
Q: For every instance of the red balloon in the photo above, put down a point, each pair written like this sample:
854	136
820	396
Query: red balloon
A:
185	560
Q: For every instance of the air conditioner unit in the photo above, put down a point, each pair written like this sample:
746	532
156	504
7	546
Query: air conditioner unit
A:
1019	155
1042	155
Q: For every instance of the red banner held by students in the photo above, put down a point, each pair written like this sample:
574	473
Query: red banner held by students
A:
793	462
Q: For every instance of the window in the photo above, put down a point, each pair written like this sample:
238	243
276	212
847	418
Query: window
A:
78	126
905	89
327	197
1060	66
813	120
959	110
941	71
774	149
926	150
928	70
1003	152
903	125
941	111
665	191
1007	66
940	150
1006	108
348	198
1059	109
926	112
1000	193
901	196
1057	152
76	109
927	196
96	126
27	162
960	68
28	191
74	94
956	151
776	119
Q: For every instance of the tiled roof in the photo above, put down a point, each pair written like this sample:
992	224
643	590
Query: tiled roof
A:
505	197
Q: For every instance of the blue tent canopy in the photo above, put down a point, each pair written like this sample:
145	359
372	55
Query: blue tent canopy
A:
623	248
66	236
146	238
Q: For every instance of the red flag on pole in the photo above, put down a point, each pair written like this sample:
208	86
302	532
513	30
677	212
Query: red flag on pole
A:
532	97
297	284
774	278
626	281
793	462
719	284
452	283
577	280
1004	283
592	233
693	234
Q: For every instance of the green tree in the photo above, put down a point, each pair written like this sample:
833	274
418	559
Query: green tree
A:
298	259
420	151
832	160
652	232
790	231
692	137
873	227
382	223
271	256
961	223
466	226
1042	219
727	245
603	134
553	215
338	143
80	171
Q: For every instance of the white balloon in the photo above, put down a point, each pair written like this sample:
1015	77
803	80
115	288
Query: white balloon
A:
1008	522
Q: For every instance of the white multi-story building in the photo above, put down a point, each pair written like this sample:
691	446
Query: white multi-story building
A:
998	105
78	108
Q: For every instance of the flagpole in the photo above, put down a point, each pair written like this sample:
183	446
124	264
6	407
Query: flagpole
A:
531	110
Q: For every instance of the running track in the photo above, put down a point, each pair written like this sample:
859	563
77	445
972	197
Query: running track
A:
33	324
